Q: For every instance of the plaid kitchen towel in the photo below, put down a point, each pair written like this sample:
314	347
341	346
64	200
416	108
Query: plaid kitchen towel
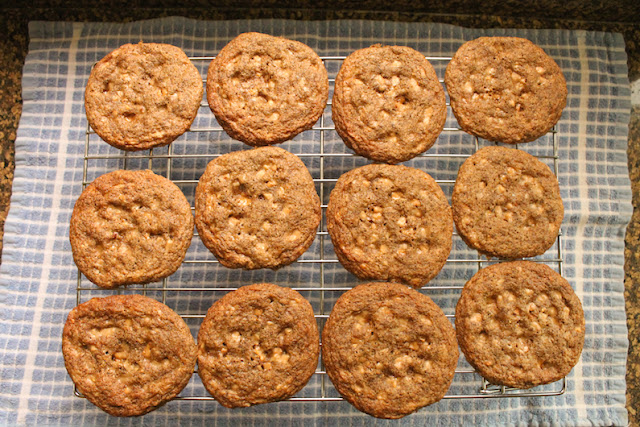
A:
55	156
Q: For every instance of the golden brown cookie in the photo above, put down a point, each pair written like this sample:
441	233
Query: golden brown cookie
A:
264	90
257	208
388	349
388	104
127	354
507	204
505	89
390	223
130	227
520	324
143	95
257	344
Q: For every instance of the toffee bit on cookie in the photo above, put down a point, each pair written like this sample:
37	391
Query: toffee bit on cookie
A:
390	222
388	349
520	324
143	95
256	345
506	203
264	89
505	89
257	208
127	354
388	105
130	227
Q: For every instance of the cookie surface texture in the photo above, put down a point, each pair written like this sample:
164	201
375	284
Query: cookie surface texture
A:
507	204
388	349
390	222
388	104
505	89
520	324
257	344
130	227
264	90
143	95
127	354
257	208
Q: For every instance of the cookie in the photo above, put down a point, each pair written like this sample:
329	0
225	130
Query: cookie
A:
520	324
127	354
257	344
257	208
143	95
388	105
130	227
264	90
388	349
390	222
506	203
505	89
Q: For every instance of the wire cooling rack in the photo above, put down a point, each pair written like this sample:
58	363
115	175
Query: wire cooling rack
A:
545	149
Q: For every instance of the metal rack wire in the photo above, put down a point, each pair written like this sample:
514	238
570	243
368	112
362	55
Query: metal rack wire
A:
484	389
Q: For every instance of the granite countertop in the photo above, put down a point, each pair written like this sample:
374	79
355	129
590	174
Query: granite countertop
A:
613	17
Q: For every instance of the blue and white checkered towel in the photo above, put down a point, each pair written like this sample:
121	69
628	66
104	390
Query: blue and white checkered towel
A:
38	278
